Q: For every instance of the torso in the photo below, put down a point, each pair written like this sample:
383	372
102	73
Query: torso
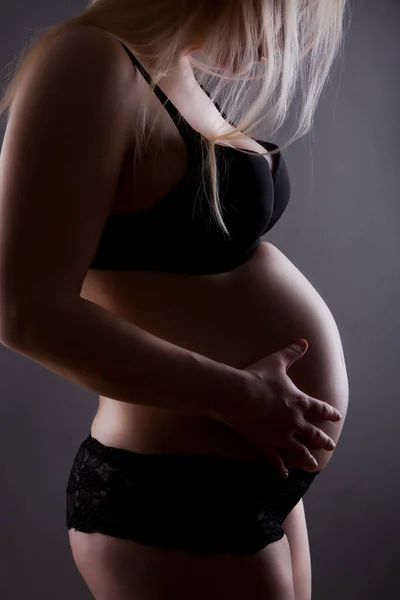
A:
235	318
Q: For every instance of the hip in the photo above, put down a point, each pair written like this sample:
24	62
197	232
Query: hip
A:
203	524
204	505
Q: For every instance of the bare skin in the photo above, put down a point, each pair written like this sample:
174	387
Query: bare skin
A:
236	318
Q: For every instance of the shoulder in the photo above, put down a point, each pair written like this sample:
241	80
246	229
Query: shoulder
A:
76	59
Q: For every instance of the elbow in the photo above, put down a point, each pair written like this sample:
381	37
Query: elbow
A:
27	323
11	326
16	320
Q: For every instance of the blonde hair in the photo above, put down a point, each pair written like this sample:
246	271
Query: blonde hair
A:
298	38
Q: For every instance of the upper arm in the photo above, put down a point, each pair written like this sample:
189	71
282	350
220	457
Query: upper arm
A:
62	152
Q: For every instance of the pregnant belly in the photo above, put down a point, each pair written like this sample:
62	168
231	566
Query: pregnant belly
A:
234	318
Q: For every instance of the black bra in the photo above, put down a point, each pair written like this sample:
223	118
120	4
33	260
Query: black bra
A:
178	234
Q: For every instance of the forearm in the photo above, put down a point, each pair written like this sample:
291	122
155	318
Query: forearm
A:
94	348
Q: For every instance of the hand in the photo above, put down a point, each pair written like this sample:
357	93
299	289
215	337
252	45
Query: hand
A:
272	414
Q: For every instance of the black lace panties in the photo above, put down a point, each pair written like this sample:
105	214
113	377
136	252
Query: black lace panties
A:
204	504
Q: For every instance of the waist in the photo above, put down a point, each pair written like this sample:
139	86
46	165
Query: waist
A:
235	318
164	257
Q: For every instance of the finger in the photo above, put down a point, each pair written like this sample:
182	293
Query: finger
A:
301	453
279	465
323	410
316	437
293	352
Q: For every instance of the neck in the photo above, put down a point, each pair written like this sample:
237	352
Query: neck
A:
181	76
182	73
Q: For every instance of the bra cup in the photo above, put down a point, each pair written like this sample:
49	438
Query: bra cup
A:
180	233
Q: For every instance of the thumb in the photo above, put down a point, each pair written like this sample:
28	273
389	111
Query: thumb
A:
294	351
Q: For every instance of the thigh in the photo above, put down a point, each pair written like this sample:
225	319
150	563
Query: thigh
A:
295	527
159	526
117	569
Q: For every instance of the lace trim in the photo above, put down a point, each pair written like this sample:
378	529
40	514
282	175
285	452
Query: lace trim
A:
202	503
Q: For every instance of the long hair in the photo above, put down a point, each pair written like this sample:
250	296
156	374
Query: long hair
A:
299	40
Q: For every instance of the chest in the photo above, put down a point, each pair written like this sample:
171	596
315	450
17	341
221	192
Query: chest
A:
164	161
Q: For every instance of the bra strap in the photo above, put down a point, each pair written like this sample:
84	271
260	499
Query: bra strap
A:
170	107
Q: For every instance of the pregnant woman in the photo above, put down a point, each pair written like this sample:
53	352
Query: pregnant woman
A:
133	202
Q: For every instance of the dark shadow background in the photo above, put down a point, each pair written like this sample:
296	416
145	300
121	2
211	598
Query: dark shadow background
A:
341	229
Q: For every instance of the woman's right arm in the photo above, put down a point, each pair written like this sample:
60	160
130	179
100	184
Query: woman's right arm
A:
62	153
64	145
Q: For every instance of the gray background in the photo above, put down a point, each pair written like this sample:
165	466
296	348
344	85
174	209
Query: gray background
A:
341	230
